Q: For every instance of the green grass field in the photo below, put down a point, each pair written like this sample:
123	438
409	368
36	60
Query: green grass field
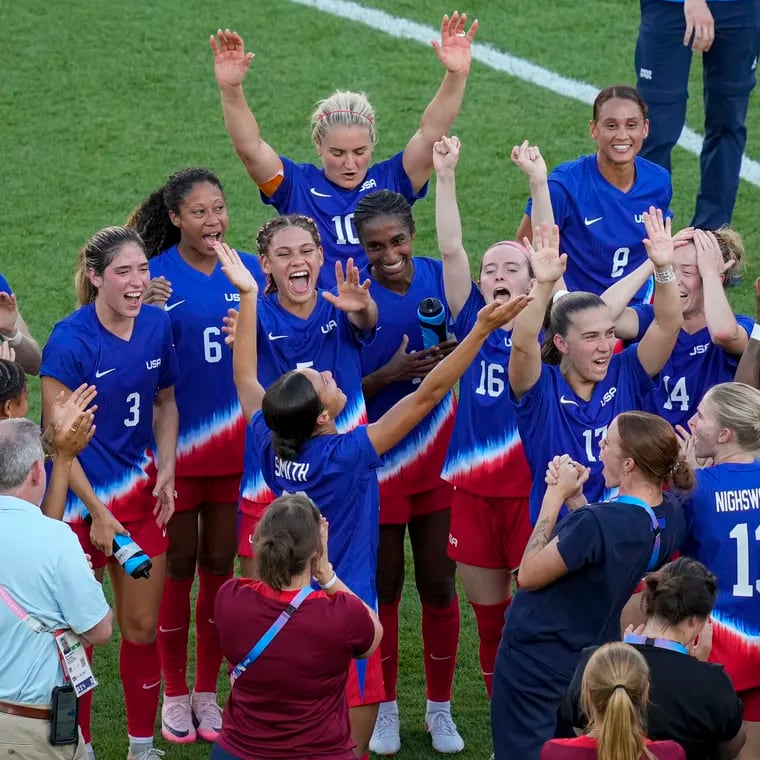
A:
101	102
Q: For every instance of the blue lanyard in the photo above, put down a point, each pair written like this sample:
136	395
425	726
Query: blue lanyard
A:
637	638
272	631
655	527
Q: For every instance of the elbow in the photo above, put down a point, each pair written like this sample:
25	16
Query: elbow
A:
102	632
527	579
725	337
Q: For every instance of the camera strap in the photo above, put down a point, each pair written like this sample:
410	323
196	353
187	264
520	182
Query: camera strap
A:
267	638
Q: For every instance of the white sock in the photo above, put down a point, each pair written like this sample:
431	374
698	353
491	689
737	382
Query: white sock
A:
434	707
140	743
90	751
387	708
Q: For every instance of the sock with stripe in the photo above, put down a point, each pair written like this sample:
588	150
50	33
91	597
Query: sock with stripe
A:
208	654
388	614
490	620
140	671
173	627
440	638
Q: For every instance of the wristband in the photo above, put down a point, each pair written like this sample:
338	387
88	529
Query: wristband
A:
667	276
13	340
755	334
330	583
559	295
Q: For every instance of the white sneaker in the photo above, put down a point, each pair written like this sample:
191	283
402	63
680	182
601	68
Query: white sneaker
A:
149	753
443	732
385	736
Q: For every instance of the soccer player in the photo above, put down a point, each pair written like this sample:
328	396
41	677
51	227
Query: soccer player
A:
574	386
598	201
293	427
14	389
748	370
180	222
711	340
411	490
124	479
723	534
344	134
301	327
485	461
14	331
576	576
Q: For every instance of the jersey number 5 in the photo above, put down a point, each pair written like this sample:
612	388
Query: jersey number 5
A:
743	585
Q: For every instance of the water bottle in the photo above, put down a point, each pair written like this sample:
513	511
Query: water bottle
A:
129	555
432	317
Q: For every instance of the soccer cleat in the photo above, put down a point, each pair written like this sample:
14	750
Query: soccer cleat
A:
207	715
385	736
149	753
177	720
443	732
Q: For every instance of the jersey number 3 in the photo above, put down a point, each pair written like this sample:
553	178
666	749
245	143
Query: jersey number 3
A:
133	400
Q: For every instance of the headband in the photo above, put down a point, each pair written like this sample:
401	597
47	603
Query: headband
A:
345	110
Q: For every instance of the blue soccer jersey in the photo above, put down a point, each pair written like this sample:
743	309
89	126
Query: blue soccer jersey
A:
338	473
414	464
486	455
211	423
553	421
128	374
306	190
724	534
601	227
325	340
5	285
695	365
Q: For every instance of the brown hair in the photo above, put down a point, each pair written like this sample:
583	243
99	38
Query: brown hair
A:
560	320
614	694
679	590
97	254
286	539
652	443
271	227
731	246
622	91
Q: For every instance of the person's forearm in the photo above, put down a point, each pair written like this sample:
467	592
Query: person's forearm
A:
54	503
26	348
448	224
240	122
667	303
545	523
336	584
373	383
530	321
541	208
720	317
444	107
365	319
748	370
621	293
166	431
80	485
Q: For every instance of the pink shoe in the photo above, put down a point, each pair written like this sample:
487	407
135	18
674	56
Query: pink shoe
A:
207	715
177	720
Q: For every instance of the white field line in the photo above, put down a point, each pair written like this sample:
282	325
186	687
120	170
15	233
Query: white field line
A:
583	92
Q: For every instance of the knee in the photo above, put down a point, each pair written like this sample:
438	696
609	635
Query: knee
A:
438	592
139	629
389	587
217	562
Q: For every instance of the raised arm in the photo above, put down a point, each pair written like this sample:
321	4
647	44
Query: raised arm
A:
457	279
748	370
245	354
660	338
406	413
721	320
353	297
531	163
548	268
619	295
231	64
454	52
13	330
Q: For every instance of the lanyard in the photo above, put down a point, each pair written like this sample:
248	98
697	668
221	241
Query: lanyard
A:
655	527
36	625
266	639
637	638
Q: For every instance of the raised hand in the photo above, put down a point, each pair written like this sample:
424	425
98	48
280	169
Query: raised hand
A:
497	314
158	292
352	295
454	50
709	256
659	241
69	440
236	271
446	155
8	313
231	62
69	413
548	265
529	160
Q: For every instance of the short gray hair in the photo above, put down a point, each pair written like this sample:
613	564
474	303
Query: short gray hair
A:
20	448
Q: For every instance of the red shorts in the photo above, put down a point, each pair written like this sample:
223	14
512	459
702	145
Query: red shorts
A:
146	534
192	492
751	700
247	522
399	510
374	690
488	532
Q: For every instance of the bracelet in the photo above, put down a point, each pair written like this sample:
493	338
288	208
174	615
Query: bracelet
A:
667	276
755	334
330	583
13	340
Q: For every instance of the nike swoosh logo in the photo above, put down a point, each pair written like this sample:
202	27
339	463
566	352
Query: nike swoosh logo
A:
174	305
563	400
212	621
440	659
106	372
316	192
169	630
152	685
276	337
588	222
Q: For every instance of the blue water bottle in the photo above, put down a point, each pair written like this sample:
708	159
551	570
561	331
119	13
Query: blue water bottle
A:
432	317
129	555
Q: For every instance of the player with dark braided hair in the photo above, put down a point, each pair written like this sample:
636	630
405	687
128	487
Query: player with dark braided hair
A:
14	390
180	222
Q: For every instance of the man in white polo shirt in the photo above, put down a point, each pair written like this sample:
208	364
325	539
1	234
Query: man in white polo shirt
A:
45	574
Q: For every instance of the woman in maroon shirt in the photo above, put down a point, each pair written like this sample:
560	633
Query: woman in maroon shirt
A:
291	702
614	692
